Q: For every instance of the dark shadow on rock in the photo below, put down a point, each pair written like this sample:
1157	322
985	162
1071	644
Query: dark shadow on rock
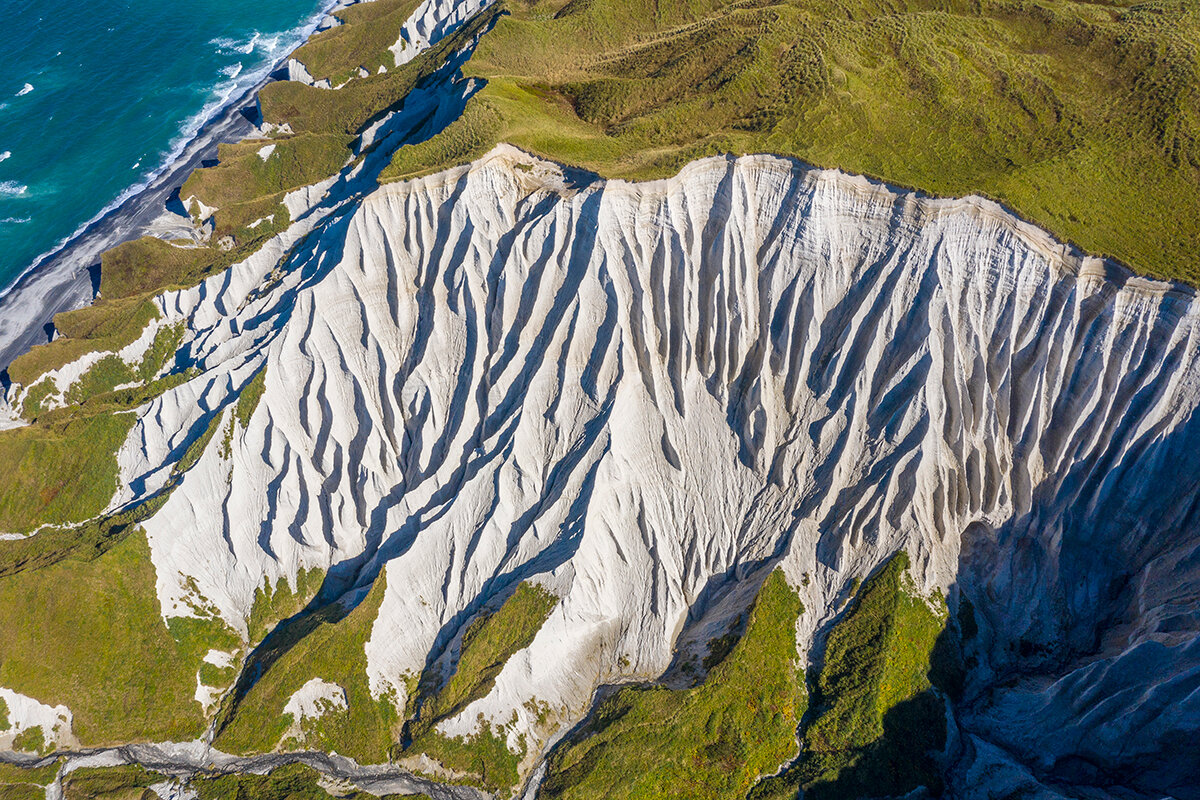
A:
175	204
94	276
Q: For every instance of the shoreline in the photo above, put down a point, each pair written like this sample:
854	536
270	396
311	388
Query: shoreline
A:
68	277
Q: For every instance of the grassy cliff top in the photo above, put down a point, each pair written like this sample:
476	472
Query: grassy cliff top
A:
1083	117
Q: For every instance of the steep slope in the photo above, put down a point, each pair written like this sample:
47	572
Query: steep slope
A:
639	396
425	469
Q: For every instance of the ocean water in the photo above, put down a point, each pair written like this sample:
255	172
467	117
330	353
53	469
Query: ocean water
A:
96	96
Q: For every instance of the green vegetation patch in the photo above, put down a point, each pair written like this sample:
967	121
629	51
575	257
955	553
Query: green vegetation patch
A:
127	782
149	265
328	644
37	776
1084	117
711	741
289	782
272	604
108	325
487	644
22	791
248	399
76	629
363	40
877	717
161	351
35	399
105	375
59	473
30	740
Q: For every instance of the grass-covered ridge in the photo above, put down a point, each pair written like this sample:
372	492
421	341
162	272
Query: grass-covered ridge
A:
330	645
127	782
712	741
876	715
77	628
362	41
1082	116
487	645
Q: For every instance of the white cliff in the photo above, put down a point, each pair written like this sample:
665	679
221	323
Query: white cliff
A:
640	394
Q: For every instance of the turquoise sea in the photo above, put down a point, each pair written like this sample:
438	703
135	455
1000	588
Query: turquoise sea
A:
96	96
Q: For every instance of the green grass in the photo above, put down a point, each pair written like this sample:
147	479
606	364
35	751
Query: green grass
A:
127	782
362	40
35	398
30	740
20	783
249	398
105	375
272	604
487	644
711	741
148	265
76	629
876	716
161	351
37	776
309	110
59	473
108	325
1081	116
289	782
327	646
22	791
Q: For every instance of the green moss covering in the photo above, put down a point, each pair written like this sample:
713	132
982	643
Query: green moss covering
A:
326	645
127	782
876	717
75	629
711	741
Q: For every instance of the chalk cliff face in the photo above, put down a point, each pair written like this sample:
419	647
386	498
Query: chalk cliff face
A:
645	396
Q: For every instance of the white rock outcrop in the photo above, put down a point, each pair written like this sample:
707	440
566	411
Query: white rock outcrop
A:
24	713
644	395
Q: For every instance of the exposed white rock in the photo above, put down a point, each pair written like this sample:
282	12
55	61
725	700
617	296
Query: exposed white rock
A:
265	152
314	699
298	72
644	395
219	658
430	23
26	712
